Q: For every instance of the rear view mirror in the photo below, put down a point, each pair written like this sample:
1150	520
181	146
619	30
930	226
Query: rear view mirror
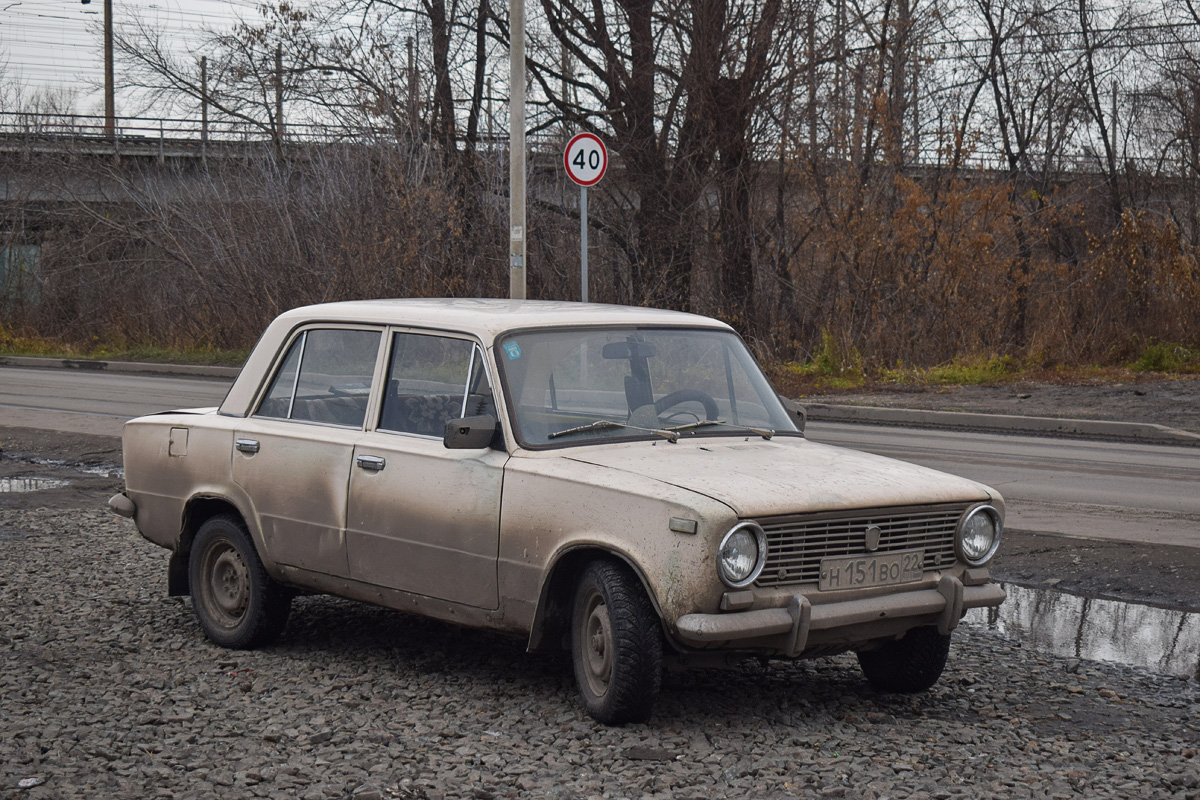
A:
795	411
470	433
629	350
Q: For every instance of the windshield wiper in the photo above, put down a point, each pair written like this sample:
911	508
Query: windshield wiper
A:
602	424
765	433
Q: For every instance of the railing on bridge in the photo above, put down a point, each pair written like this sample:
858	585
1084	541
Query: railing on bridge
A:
166	136
173	135
173	132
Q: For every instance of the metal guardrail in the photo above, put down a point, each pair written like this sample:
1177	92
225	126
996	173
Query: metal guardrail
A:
160	135
143	133
82	126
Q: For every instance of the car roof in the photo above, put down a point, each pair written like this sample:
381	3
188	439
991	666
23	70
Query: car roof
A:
485	319
490	318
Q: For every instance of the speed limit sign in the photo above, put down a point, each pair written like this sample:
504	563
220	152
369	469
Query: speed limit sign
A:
586	159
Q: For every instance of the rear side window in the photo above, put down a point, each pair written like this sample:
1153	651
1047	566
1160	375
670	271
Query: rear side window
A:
325	377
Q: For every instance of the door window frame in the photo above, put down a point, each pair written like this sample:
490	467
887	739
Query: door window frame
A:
281	360
376	415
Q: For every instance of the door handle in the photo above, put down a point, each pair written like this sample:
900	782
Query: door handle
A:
373	463
246	445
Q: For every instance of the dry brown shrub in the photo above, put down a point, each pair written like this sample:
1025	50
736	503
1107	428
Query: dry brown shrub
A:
867	267
1137	283
206	257
922	269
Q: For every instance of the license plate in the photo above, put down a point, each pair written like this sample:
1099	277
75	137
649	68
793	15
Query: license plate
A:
860	572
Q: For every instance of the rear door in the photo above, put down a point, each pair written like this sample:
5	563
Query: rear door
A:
293	455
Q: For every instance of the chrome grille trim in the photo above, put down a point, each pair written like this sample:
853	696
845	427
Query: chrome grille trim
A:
797	543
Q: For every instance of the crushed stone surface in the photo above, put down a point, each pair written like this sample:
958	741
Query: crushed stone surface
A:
110	690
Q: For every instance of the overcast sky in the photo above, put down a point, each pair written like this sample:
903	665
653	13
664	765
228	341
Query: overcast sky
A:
58	44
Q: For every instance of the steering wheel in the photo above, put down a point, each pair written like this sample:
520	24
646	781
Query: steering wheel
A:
688	395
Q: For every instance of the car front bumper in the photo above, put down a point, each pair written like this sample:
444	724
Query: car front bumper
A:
801	624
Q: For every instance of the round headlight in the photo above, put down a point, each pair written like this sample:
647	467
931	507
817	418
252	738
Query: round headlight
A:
742	554
979	535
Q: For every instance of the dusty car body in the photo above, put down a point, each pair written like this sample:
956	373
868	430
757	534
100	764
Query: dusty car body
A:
619	481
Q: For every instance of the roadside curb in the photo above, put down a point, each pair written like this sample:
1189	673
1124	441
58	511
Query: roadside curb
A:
1050	426
87	364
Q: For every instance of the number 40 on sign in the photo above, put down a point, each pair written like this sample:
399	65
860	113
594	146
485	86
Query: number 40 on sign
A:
586	159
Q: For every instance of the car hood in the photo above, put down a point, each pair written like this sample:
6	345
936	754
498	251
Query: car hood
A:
786	475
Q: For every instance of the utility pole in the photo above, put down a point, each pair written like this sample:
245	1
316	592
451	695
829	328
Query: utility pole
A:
279	92
110	105
412	89
811	53
516	151
566	87
203	104
1114	115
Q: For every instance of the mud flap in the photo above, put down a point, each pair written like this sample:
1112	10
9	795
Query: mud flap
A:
177	575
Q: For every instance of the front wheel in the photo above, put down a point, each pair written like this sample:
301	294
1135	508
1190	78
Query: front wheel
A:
616	645
908	665
238	604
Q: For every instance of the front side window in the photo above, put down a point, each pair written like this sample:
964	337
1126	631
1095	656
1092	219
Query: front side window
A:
572	386
432	380
325	377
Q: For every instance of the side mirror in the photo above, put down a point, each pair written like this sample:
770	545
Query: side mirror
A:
470	433
795	411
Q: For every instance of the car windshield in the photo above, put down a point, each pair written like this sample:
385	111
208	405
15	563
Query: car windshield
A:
578	385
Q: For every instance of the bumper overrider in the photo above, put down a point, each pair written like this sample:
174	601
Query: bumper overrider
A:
792	629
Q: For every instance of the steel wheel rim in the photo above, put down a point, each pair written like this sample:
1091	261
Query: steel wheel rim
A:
596	645
226	583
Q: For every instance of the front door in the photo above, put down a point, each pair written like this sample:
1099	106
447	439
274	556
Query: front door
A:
422	518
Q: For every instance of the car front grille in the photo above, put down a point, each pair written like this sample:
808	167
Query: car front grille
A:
796	544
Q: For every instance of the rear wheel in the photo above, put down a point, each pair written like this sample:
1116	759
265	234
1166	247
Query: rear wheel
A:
237	603
908	665
616	645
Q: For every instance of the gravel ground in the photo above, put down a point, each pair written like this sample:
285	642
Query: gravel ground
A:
110	690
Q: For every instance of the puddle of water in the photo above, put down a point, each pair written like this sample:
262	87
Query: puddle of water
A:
103	470
30	484
1165	641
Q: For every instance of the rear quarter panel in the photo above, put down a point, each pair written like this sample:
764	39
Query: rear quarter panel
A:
160	479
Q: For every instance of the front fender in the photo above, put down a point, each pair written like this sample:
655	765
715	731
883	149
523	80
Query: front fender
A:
555	507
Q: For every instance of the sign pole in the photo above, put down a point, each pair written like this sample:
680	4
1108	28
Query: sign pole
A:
583	247
586	161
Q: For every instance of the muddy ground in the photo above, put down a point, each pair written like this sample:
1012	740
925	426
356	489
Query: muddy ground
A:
1161	575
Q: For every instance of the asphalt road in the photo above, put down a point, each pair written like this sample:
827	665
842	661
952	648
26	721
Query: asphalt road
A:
96	402
1078	487
1093	489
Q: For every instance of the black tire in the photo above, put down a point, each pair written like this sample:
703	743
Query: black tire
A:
908	665
616	645
238	604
